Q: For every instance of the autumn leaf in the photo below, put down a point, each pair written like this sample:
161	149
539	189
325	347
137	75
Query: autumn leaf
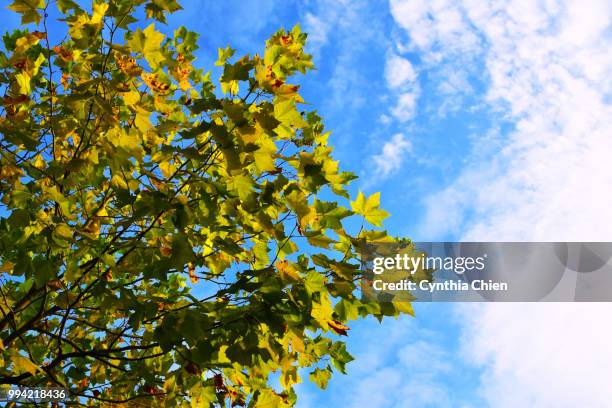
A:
155	84
128	65
29	10
23	365
64	54
148	43
338	327
369	208
181	222
192	275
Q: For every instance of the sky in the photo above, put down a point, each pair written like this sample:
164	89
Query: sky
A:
477	120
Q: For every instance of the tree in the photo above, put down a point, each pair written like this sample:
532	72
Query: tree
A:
161	239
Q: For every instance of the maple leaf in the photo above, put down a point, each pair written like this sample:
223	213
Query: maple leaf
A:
369	208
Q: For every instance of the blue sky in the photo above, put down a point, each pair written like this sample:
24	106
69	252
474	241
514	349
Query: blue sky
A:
477	120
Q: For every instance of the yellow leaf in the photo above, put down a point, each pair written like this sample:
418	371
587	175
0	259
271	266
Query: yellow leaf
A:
192	274
322	311
24	43
92	155
297	343
230	87
369	208
131	98
167	168
224	55
148	42
99	10
118	182
109	260
290	377
23	80
64	231
92	228
265	155
102	212
39	162
128	65
28	10
287	272
23	365
268	399
142	121
241	184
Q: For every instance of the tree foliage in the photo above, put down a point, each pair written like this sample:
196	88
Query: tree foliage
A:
164	236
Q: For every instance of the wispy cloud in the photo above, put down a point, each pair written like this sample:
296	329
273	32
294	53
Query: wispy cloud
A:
318	30
436	28
401	79
399	364
405	106
393	153
347	29
399	72
547	70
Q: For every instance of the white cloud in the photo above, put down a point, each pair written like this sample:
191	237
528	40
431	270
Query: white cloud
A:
384	119
434	24
401	79
541	355
392	155
454	82
437	360
351	30
317	30
399	71
453	86
555	90
405	108
398	364
550	70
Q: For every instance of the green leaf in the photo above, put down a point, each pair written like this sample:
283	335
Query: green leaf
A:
28	10
236	72
66	5
314	282
148	42
347	310
340	357
157	9
242	185
318	239
19	218
321	377
268	399
224	54
63	231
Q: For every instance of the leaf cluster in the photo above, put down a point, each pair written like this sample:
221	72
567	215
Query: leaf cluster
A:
164	236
